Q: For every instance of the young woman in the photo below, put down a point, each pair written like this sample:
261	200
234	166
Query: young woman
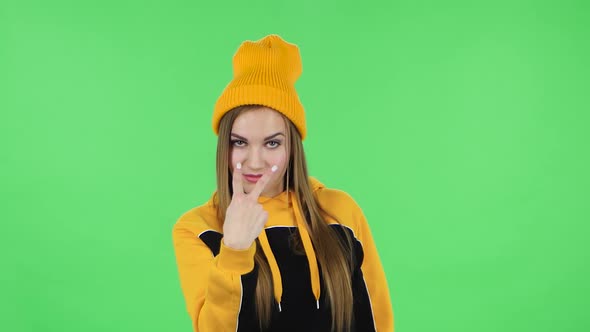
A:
273	249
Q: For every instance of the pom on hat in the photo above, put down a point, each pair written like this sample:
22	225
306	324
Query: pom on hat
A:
264	73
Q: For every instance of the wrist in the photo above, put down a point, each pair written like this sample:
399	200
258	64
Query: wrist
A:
234	245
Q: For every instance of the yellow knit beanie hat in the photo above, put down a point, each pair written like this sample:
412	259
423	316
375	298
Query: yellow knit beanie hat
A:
264	73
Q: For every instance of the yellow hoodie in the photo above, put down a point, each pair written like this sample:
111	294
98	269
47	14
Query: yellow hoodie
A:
218	283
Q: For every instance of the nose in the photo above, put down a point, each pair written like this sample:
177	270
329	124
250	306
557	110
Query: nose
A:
255	159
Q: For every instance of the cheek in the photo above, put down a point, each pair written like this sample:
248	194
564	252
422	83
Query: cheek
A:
279	159
235	156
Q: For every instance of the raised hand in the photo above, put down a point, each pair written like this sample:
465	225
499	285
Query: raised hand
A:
245	218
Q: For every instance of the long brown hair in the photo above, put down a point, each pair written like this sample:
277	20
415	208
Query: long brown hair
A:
335	257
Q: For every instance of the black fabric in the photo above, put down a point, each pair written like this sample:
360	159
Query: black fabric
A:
299	310
213	240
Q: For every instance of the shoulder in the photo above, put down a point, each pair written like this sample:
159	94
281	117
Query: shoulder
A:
197	220
340	205
331	197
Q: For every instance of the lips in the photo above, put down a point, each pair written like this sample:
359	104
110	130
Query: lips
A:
252	178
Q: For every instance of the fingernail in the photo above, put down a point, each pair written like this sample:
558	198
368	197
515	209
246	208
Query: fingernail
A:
274	168
239	166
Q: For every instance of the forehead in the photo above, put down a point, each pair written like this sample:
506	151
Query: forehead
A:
258	123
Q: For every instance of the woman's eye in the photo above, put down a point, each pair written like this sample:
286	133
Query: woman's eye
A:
238	143
273	144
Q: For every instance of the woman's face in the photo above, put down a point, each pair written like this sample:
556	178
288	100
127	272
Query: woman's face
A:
257	141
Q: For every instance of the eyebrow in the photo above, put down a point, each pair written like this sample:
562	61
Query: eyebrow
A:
266	138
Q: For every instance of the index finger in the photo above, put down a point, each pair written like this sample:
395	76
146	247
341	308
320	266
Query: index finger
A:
261	184
237	184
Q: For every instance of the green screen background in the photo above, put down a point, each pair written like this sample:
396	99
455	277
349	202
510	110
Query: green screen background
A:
460	127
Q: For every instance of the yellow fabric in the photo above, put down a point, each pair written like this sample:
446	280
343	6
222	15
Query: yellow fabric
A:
264	73
274	267
212	287
309	252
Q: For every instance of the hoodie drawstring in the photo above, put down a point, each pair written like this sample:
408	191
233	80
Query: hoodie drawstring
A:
309	253
274	267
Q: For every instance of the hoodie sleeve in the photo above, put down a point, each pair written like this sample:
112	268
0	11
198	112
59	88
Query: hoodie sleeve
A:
211	285
374	276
